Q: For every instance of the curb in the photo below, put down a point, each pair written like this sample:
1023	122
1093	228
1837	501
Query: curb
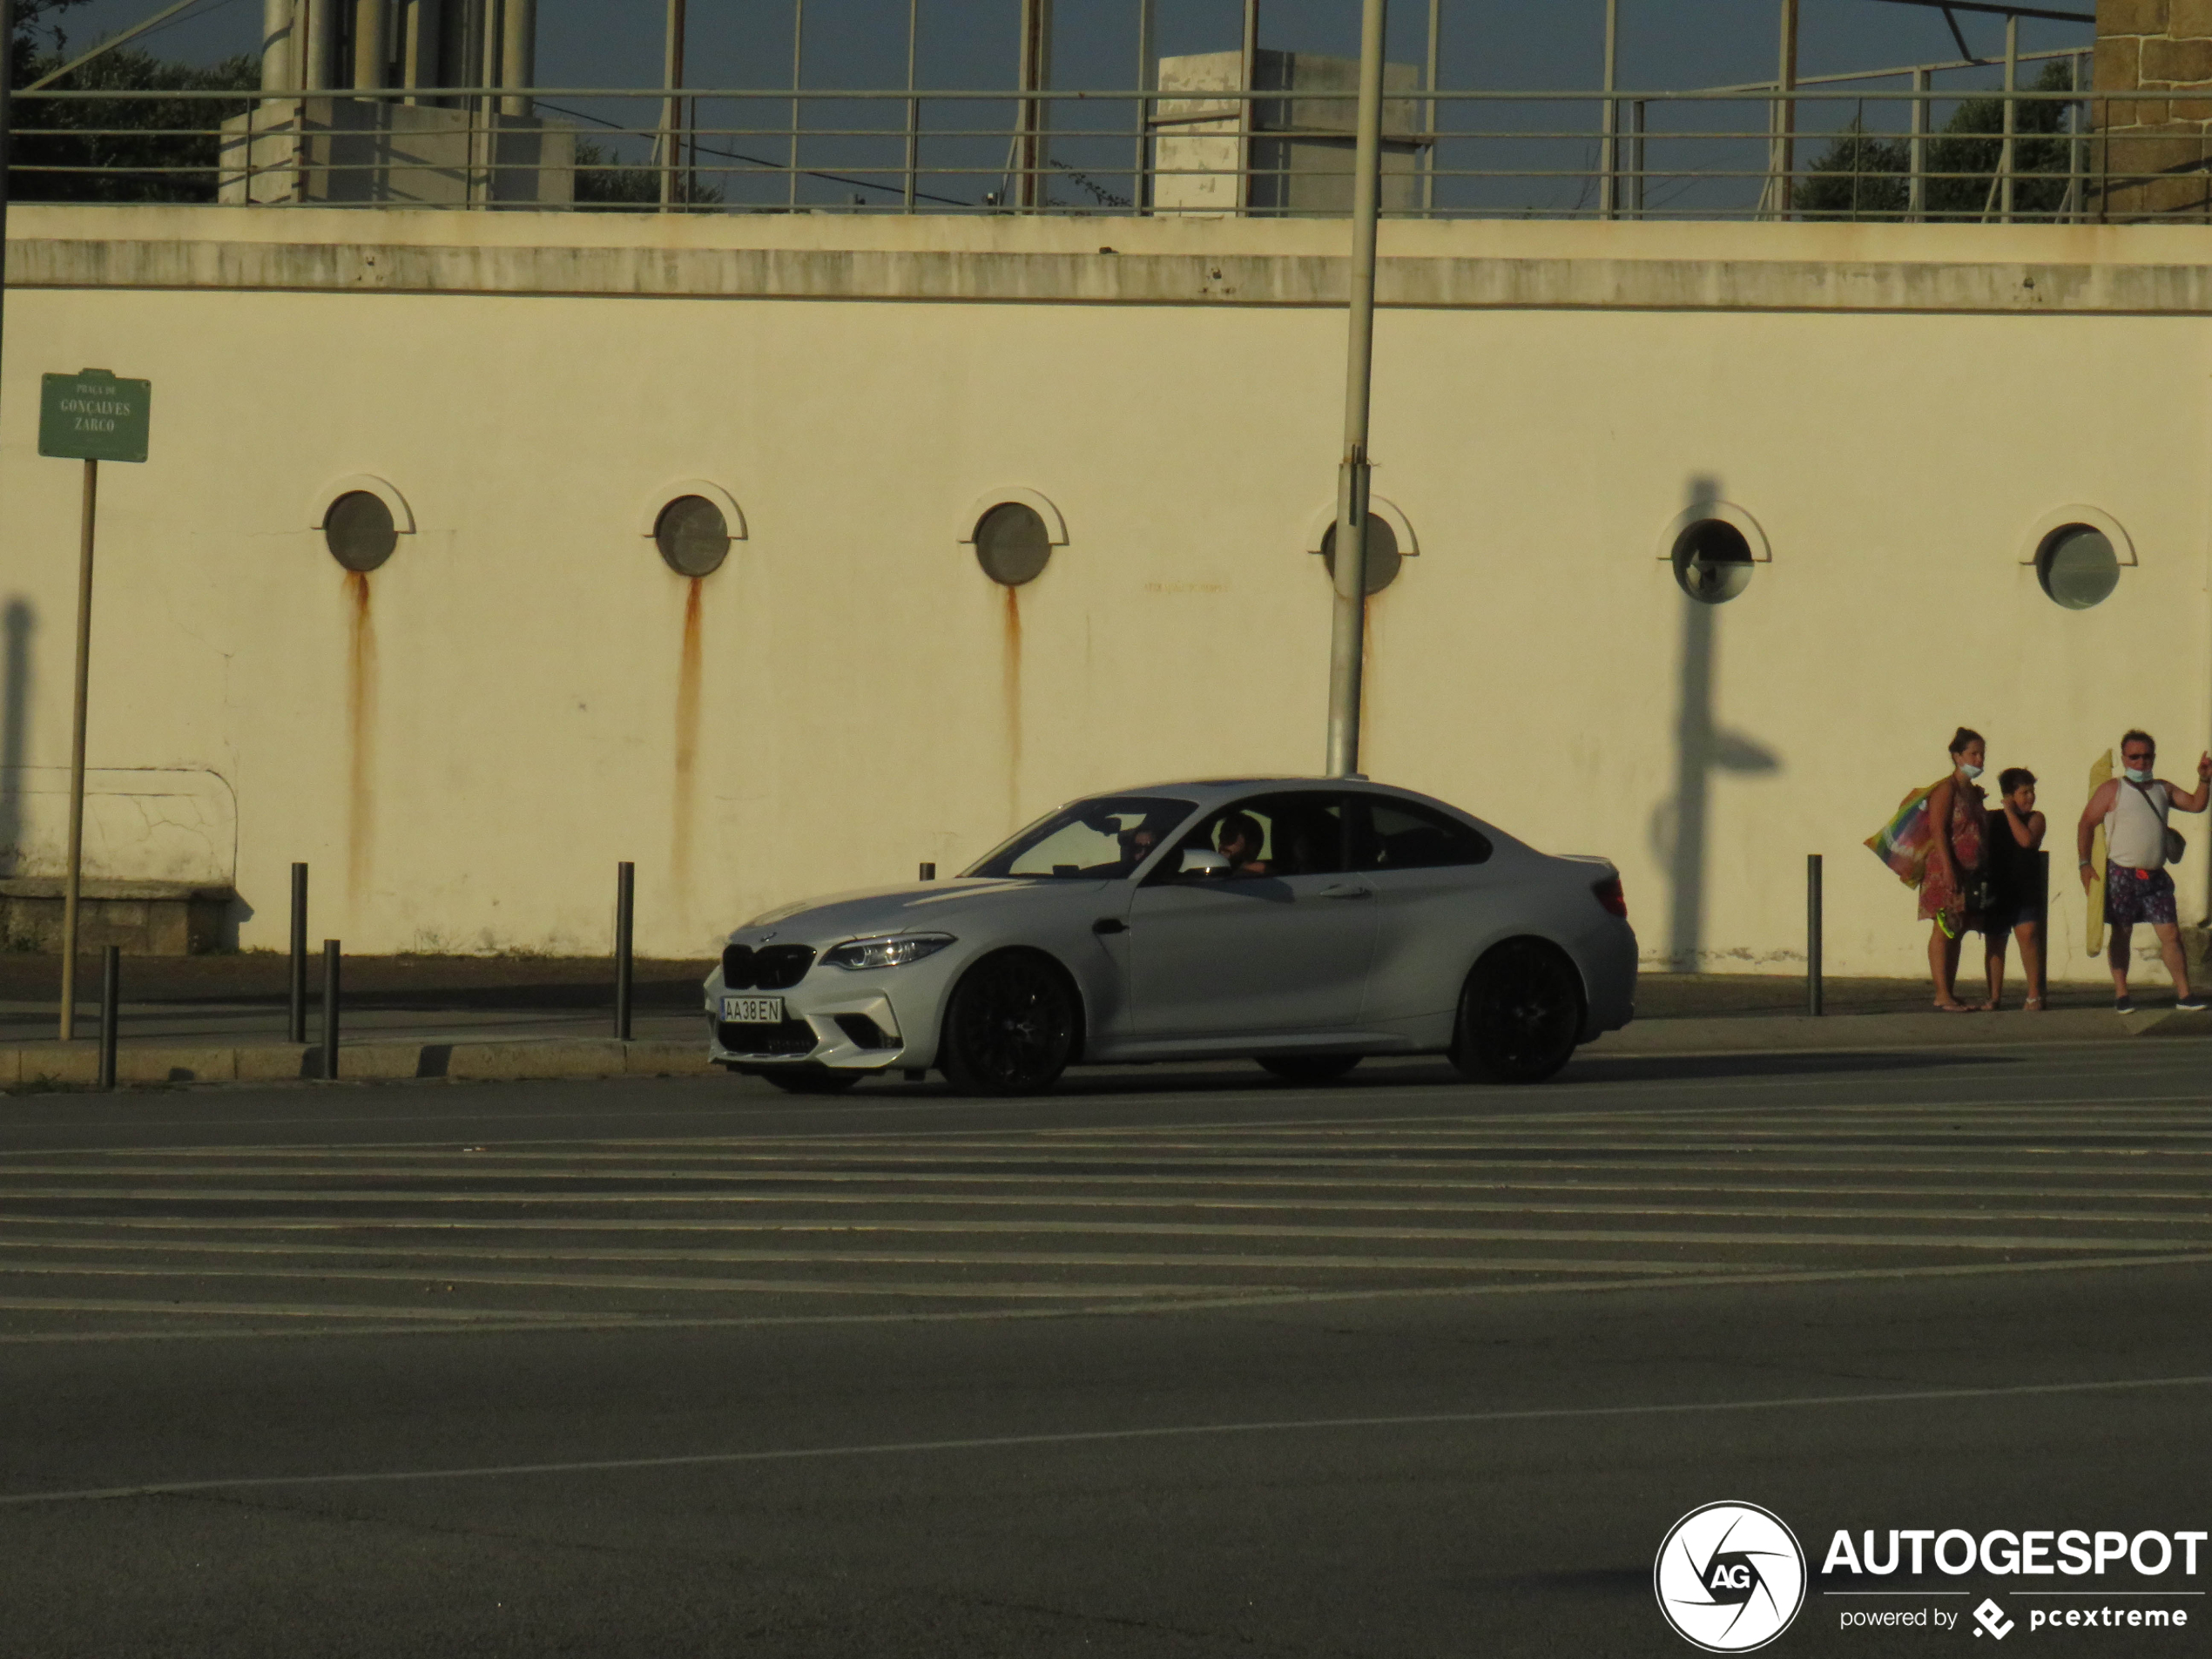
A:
1803	1033
543	1059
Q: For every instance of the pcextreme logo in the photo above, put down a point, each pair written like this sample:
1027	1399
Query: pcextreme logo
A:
1729	1577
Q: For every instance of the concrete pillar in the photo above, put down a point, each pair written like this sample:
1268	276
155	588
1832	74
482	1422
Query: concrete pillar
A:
279	21
518	54
419	35
2152	152
321	56
372	36
1035	117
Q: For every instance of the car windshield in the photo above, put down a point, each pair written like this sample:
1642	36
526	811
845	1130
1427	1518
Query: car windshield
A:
1097	840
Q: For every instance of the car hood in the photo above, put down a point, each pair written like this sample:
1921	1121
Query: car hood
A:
926	906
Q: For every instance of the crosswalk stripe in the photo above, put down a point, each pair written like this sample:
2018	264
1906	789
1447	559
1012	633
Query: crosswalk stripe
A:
2199	1217
1524	1192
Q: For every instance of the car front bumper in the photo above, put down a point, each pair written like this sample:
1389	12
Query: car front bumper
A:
877	1020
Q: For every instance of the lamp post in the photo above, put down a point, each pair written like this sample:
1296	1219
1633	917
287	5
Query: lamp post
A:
1347	638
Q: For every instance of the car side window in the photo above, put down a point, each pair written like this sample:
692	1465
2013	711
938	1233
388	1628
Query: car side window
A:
1400	835
1301	833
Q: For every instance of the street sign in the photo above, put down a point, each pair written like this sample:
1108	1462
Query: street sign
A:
91	415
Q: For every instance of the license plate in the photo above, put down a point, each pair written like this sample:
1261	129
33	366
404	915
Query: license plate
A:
753	1010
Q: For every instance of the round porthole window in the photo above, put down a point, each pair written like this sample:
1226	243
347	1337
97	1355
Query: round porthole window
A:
358	531
1712	561
2077	566
1384	560
692	535
1012	543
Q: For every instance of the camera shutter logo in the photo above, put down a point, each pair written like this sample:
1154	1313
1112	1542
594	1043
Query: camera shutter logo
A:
1729	1577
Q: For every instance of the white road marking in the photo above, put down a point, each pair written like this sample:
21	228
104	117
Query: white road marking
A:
1111	1436
1200	1300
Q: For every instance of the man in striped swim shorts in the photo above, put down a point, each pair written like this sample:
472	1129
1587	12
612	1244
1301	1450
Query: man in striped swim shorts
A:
2133	807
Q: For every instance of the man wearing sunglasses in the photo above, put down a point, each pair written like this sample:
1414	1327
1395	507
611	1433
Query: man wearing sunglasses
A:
2133	807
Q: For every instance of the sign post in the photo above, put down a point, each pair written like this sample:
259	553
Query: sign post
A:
90	416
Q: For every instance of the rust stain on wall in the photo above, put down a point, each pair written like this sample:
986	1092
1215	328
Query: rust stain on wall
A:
360	733
687	739
1010	689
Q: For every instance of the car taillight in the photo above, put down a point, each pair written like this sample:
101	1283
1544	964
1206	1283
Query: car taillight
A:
1610	894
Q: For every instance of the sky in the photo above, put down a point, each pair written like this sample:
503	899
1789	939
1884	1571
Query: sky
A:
970	45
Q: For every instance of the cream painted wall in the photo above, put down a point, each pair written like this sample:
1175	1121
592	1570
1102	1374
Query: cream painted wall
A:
464	762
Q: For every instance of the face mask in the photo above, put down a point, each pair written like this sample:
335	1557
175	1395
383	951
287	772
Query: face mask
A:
1971	773
2135	777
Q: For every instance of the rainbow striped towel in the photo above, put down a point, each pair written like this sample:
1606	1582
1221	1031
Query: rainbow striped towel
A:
1903	842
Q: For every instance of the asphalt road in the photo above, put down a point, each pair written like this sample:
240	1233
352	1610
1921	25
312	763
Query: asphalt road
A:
1166	1365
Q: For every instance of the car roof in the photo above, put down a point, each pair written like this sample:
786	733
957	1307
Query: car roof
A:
1207	791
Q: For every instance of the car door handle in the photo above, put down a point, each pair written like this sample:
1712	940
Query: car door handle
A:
1346	890
1109	925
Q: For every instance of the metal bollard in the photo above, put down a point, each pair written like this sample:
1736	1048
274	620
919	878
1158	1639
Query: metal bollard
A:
929	873
329	1009
298	1026
626	913
110	997
1814	1002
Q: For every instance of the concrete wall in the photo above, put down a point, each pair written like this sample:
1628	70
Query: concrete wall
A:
465	742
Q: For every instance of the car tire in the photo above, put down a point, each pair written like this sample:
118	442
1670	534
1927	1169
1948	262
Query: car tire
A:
815	1080
1013	1025
1521	1013
1308	1070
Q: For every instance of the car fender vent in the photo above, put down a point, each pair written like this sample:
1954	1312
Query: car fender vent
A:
864	1032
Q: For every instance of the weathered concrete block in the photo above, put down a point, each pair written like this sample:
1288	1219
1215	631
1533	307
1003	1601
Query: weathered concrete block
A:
178	1065
138	918
2176	63
2131	18
275	1063
568	1057
666	1059
59	1063
2188	19
2118	68
373	1061
2167	154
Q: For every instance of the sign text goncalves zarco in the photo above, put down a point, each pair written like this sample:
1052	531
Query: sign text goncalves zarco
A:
93	415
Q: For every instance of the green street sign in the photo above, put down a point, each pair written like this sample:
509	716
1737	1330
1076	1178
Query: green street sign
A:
91	415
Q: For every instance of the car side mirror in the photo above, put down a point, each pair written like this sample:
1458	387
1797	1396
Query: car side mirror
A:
1198	861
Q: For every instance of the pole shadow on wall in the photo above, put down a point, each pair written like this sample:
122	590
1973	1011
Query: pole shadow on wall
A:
17	625
1712	558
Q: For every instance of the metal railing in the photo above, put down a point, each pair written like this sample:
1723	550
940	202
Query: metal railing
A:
1851	151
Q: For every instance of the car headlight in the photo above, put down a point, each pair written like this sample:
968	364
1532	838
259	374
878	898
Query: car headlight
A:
895	952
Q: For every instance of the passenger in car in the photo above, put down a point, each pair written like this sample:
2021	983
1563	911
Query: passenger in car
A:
1240	841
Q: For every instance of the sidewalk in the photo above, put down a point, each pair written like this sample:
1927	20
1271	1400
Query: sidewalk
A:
222	1019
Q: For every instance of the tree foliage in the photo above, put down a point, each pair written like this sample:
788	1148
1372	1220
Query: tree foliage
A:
150	148
1863	176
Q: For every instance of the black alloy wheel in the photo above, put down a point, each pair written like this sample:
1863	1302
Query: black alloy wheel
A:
1521	1013
1308	1070
811	1080
1012	1027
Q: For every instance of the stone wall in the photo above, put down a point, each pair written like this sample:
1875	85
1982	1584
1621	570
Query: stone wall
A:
2152	152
